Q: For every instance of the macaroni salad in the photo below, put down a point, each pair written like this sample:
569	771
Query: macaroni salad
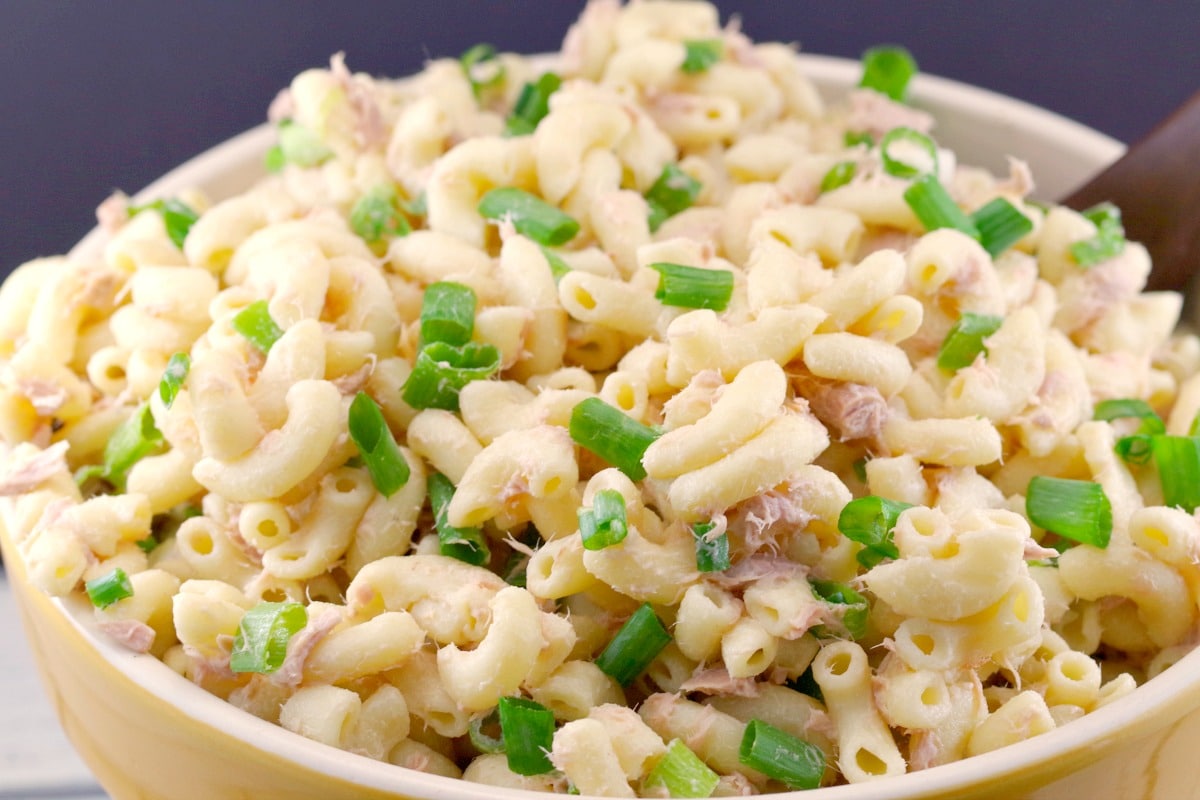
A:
627	422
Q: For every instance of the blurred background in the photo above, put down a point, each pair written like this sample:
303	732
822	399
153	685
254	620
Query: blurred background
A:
100	96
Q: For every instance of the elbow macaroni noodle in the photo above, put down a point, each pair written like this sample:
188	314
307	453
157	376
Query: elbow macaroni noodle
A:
762	411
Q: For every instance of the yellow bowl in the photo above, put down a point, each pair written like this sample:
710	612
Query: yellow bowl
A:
149	734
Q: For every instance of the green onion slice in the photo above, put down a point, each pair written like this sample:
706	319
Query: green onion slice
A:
856	611
692	287
448	313
530	215
681	773
934	207
108	589
888	70
173	377
605	524
375	216
636	644
485	732
442	370
673	191
781	756
558	267
178	217
1000	225
465	544
133	440
838	175
528	730
700	54
908	153
1109	240
712	553
263	636
1075	510
369	430
1194	427
274	160
254	323
1138	447
482	68
302	146
533	104
855	138
1178	461
965	340
612	435
869	521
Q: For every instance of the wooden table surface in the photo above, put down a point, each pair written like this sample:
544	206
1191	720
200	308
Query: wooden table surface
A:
36	761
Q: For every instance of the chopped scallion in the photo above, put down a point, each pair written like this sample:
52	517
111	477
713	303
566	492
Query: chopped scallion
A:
612	435
1138	447
442	370
888	70
855	138
263	636
1000	225
712	553
528	731
692	287
178	217
447	313
465	544
108	589
1075	510
605	523
965	340
700	54
375	216
558	267
781	756
1178	461
302	146
934	207
133	440
681	773
672	192
173	377
1109	240
856	611
254	323
532	105
838	175
869	521
908	153
274	159
636	644
369	430
482	68
485	732
530	215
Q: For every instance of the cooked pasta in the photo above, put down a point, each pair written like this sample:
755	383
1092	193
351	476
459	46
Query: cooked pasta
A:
632	389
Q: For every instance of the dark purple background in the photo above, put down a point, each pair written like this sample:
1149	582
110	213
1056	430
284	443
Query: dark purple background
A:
102	95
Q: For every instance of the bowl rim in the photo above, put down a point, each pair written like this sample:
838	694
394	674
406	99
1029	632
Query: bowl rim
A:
1149	707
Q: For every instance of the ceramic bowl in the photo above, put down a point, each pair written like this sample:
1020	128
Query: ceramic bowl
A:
151	735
